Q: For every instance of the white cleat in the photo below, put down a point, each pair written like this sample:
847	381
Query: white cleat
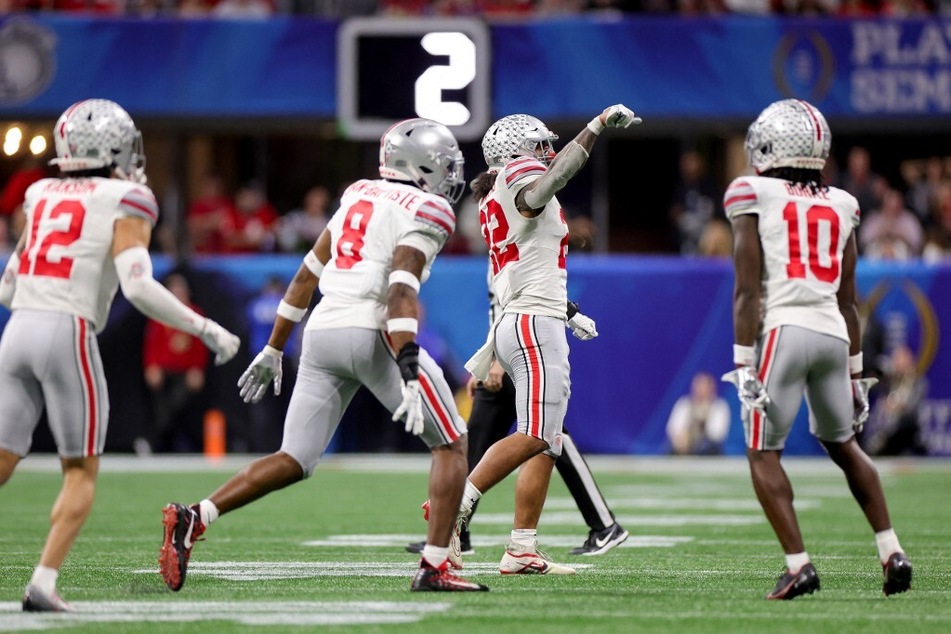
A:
518	561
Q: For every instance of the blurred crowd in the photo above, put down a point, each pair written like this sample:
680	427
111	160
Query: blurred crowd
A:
905	220
908	219
490	9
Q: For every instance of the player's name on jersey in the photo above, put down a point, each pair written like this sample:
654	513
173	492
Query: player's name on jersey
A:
403	198
802	189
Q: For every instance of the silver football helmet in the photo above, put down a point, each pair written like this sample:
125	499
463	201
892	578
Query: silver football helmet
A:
426	154
789	133
98	133
515	136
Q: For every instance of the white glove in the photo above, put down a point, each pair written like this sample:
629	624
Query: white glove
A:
616	116
411	407
583	327
860	389
749	388
223	343
265	368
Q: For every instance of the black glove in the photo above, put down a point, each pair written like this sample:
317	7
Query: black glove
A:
408	360
573	309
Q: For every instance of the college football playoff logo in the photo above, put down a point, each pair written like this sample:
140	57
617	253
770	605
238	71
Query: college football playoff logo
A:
27	63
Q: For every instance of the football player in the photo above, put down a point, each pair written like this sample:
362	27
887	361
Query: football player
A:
87	232
525	230
796	328
369	263
493	412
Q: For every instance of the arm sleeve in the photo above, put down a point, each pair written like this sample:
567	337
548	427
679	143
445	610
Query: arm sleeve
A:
568	163
134	268
740	199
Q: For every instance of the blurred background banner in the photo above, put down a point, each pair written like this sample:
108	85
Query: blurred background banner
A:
168	68
710	68
661	320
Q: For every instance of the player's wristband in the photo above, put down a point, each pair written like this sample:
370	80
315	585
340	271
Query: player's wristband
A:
402	324
400	276
288	311
855	364
744	355
313	264
596	126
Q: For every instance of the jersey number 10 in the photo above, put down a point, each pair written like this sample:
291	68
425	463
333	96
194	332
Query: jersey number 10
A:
797	264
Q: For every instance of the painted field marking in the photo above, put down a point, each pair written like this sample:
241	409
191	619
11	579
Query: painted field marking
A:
276	613
272	570
497	540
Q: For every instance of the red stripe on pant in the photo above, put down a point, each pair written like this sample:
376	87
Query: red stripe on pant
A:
89	387
534	376
443	417
759	421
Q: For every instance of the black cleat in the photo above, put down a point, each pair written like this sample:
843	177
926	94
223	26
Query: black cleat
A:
791	585
429	579
600	542
897	572
183	527
35	600
464	544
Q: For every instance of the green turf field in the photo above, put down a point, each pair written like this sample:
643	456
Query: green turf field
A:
328	553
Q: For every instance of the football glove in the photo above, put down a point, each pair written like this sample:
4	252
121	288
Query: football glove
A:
265	368
860	390
749	388
583	327
411	407
619	116
223	343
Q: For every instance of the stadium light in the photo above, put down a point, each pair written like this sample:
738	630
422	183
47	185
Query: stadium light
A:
38	145
11	141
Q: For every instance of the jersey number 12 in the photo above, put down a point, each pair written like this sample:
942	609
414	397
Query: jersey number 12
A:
36	257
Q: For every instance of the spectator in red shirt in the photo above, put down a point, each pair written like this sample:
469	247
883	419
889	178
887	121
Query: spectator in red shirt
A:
255	228
211	217
11	198
174	365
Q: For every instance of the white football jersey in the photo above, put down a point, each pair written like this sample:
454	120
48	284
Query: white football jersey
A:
66	264
527	255
803	235
375	216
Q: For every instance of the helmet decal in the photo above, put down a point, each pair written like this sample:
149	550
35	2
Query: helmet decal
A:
789	133
515	136
98	133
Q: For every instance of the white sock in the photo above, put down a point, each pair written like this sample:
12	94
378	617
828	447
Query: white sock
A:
525	538
208	512
44	579
435	556
887	542
470	496
797	561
